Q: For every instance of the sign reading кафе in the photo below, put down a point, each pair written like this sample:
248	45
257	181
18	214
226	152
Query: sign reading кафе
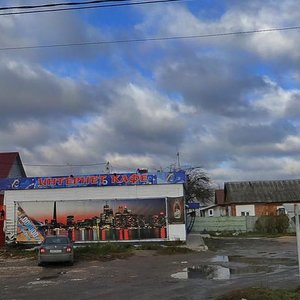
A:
92	180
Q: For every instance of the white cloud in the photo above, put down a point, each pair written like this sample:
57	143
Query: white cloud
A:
290	145
180	21
130	162
276	100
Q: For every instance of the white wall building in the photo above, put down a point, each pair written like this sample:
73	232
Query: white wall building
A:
97	208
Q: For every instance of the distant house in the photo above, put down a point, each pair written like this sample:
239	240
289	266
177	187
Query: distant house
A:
218	209
10	166
256	198
209	211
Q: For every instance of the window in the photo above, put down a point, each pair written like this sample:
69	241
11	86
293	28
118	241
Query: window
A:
56	240
281	211
210	212
245	213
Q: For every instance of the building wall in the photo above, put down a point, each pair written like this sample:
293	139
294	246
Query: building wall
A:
232	210
2	234
245	210
260	209
217	211
176	232
266	209
91	193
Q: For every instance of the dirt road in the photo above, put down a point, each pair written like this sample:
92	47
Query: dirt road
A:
229	263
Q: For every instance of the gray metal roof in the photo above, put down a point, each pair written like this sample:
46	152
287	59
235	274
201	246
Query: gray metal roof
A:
276	191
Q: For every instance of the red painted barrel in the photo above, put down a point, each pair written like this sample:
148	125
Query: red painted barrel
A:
126	234
120	234
103	235
163	233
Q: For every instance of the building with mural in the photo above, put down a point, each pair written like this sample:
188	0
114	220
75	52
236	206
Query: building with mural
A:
96	208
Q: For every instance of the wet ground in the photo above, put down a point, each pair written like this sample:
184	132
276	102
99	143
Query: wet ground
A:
230	263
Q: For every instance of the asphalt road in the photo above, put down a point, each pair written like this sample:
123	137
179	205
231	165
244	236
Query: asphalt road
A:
229	263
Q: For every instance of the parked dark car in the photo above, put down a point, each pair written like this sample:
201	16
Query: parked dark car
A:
56	249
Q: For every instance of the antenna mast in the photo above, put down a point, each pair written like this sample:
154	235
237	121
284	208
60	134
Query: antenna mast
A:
178	160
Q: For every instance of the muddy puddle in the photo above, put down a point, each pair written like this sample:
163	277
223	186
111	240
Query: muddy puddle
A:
224	267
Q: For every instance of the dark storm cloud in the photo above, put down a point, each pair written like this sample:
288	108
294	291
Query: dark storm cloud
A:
30	92
50	29
211	84
142	121
28	134
260	134
148	131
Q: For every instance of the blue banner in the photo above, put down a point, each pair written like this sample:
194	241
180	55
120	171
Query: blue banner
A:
92	180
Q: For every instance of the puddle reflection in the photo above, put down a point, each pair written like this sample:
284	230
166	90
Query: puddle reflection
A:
204	272
219	272
220	258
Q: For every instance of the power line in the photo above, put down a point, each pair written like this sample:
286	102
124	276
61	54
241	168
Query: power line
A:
65	165
154	39
58	4
56	165
88	7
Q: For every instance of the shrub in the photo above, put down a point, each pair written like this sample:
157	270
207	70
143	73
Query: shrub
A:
282	223
272	224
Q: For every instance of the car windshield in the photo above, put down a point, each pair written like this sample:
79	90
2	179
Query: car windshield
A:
56	240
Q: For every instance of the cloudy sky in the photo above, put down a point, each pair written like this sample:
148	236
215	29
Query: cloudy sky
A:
230	104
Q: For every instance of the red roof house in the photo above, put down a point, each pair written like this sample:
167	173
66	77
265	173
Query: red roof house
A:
219	197
11	165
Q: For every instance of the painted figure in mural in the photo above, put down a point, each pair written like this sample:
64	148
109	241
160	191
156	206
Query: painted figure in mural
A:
27	230
177	210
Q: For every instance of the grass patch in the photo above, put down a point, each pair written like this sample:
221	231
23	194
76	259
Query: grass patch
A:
166	248
169	250
103	251
224	233
150	247
238	234
17	251
262	294
267	235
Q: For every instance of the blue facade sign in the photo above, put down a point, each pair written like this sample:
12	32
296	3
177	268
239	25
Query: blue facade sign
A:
92	180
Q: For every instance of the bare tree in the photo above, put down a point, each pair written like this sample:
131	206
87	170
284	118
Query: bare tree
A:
199	186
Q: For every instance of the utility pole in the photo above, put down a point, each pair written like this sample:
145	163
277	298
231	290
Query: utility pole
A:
107	168
178	160
296	210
